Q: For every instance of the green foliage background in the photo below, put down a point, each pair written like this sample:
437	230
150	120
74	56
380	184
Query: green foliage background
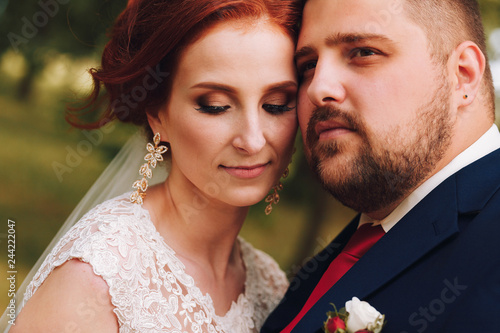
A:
47	72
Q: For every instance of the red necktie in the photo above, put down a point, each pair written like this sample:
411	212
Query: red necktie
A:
361	241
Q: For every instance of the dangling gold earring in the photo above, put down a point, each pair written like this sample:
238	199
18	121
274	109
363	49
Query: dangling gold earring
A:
153	156
274	198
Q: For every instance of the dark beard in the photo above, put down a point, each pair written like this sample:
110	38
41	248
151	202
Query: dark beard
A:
377	179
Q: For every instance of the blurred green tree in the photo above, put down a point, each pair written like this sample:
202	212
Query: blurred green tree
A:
36	27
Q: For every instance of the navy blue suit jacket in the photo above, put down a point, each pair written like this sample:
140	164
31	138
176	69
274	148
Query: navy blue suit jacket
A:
436	270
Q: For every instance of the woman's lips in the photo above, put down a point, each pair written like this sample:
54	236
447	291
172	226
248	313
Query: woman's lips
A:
246	172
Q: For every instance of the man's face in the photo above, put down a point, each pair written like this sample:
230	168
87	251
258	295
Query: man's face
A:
373	106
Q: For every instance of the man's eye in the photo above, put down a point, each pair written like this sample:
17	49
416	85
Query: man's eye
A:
212	109
310	65
362	52
307	66
277	109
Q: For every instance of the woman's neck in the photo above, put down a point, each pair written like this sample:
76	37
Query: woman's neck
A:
200	229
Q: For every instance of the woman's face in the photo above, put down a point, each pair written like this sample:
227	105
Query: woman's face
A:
231	118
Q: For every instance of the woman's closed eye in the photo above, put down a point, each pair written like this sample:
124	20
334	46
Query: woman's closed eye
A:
213	103
212	109
279	102
277	109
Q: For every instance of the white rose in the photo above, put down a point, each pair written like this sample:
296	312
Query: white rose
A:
363	316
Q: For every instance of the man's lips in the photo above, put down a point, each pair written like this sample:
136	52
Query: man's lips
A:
331	129
246	172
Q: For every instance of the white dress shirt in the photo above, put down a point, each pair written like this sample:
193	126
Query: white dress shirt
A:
489	142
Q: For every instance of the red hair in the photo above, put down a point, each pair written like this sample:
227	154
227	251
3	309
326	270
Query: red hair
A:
148	37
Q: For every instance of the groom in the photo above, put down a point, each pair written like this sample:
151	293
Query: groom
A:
396	107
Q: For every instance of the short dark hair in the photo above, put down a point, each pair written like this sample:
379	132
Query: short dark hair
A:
447	23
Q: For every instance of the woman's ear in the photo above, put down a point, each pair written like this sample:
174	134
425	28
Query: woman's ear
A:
468	63
157	124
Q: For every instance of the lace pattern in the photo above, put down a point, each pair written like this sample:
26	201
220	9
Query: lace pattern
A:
148	286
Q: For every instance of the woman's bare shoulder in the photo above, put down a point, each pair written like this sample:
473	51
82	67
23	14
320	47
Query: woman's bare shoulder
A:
72	298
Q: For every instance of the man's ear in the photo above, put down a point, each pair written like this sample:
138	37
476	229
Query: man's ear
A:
157	124
468	63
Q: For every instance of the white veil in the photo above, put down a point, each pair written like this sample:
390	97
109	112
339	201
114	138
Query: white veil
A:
116	179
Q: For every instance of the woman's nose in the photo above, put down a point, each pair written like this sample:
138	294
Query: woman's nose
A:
250	137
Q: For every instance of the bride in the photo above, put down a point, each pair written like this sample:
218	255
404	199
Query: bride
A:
220	84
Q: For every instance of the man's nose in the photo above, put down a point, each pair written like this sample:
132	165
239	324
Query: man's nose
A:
326	84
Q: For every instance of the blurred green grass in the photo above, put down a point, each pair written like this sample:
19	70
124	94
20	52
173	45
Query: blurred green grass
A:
33	135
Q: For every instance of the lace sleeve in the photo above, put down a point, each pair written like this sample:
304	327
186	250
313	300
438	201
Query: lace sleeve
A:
122	246
266	284
148	285
103	238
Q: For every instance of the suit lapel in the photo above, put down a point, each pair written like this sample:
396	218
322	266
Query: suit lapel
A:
427	225
477	183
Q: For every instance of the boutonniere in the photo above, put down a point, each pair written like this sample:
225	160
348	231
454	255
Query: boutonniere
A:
356	317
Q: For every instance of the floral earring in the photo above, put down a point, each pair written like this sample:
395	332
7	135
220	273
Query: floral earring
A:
153	156
274	198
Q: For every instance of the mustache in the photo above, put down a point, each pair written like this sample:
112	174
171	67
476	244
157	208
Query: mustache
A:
325	113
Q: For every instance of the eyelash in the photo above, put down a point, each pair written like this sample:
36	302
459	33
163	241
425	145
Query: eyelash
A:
212	109
305	67
273	109
358	50
308	65
277	109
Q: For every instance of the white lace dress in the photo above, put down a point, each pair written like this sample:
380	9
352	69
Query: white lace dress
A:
149	289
